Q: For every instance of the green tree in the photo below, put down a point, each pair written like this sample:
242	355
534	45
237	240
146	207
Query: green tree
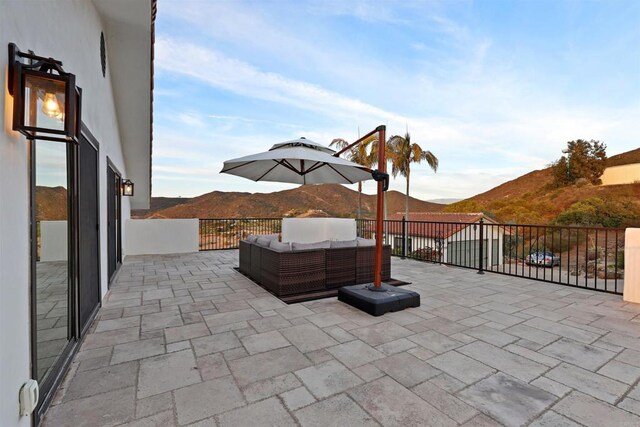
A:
402	153
582	159
359	154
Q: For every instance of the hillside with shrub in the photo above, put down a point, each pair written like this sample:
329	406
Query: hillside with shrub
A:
536	198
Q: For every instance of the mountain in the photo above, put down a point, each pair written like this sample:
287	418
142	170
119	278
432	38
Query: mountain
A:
444	201
532	198
51	203
308	200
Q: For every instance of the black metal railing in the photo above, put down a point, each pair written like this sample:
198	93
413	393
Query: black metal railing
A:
585	257
226	233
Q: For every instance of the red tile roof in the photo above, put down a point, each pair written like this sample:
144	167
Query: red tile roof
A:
433	224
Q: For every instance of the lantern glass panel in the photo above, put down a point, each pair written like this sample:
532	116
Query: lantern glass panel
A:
44	103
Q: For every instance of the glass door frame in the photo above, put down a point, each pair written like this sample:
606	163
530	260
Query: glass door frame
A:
59	368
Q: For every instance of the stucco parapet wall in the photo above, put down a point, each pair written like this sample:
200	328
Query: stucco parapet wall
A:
161	236
632	265
624	174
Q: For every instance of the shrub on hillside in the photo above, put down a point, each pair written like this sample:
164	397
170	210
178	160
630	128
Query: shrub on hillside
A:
583	159
598	212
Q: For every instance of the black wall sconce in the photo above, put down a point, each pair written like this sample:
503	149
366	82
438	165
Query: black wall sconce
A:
127	187
46	100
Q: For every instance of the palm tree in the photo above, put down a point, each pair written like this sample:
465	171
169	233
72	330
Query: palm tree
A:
402	152
357	154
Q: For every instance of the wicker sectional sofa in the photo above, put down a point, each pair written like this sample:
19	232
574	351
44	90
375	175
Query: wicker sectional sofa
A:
286	273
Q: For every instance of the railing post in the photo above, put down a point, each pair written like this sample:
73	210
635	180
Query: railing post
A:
404	237
481	258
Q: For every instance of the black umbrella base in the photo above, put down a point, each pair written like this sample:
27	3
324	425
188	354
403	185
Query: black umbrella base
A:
375	302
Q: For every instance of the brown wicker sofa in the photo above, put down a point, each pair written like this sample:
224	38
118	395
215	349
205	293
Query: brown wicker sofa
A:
303	271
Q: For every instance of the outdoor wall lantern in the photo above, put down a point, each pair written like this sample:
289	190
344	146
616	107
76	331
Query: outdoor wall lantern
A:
127	187
46	101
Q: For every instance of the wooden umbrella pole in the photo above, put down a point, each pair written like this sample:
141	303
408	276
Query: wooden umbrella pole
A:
382	167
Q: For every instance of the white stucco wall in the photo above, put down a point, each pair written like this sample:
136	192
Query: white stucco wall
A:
309	230
161	236
625	174
68	30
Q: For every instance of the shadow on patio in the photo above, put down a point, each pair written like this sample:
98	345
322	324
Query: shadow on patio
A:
186	339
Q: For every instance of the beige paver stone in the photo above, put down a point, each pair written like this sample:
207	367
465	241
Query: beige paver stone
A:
259	343
396	346
406	369
266	303
577	353
231	317
137	350
435	341
294	310
270	323
110	338
336	411
270	387
461	367
631	405
507	399
164	319
328	378
268	412
203	400
505	361
445	402
154	404
297	398
620	371
124	322
269	364
215	343
355	353
551	386
593	412
212	366
308	337
381	333
392	404
323	320
164	419
106	409
588	382
101	380
553	419
167	372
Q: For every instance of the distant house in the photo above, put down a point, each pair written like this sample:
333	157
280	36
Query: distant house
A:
447	237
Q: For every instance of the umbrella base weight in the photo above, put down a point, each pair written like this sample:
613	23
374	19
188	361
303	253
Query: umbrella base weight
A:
377	303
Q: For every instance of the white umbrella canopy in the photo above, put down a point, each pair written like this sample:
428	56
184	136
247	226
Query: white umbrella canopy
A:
300	161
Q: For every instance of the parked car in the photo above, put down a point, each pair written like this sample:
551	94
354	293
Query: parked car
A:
542	259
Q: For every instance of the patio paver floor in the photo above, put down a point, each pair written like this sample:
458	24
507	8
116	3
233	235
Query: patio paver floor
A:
185	339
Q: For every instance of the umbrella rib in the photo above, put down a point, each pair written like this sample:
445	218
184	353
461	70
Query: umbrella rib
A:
265	174
316	165
237	166
286	164
336	171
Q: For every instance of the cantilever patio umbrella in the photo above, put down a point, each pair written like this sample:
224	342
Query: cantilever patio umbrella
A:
302	161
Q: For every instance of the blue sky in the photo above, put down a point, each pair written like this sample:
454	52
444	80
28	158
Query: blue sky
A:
494	88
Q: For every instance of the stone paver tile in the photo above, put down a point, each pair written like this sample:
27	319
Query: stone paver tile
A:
154	404
481	420
551	386
562	330
435	341
635	392
461	367
618	325
445	402
505	361
164	419
447	383
630	357
396	346
297	398
553	419
619	340
620	371
212	366
594	413
533	355
355	353
164	319
268	412
203	400
266	303
325	319
89	383
421	353
231	317
167	372
137	350
631	405
406	369
181	333
308	337
392	404
381	333
327	378
554	316
105	410
110	338
265	365
270	323
177	346
491	336
368	372
577	353
215	343
154	294
438	324
319	356
124	322
454	312
259	343
339	334
501	318
270	387
596	385
336	411
507	399
294	310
